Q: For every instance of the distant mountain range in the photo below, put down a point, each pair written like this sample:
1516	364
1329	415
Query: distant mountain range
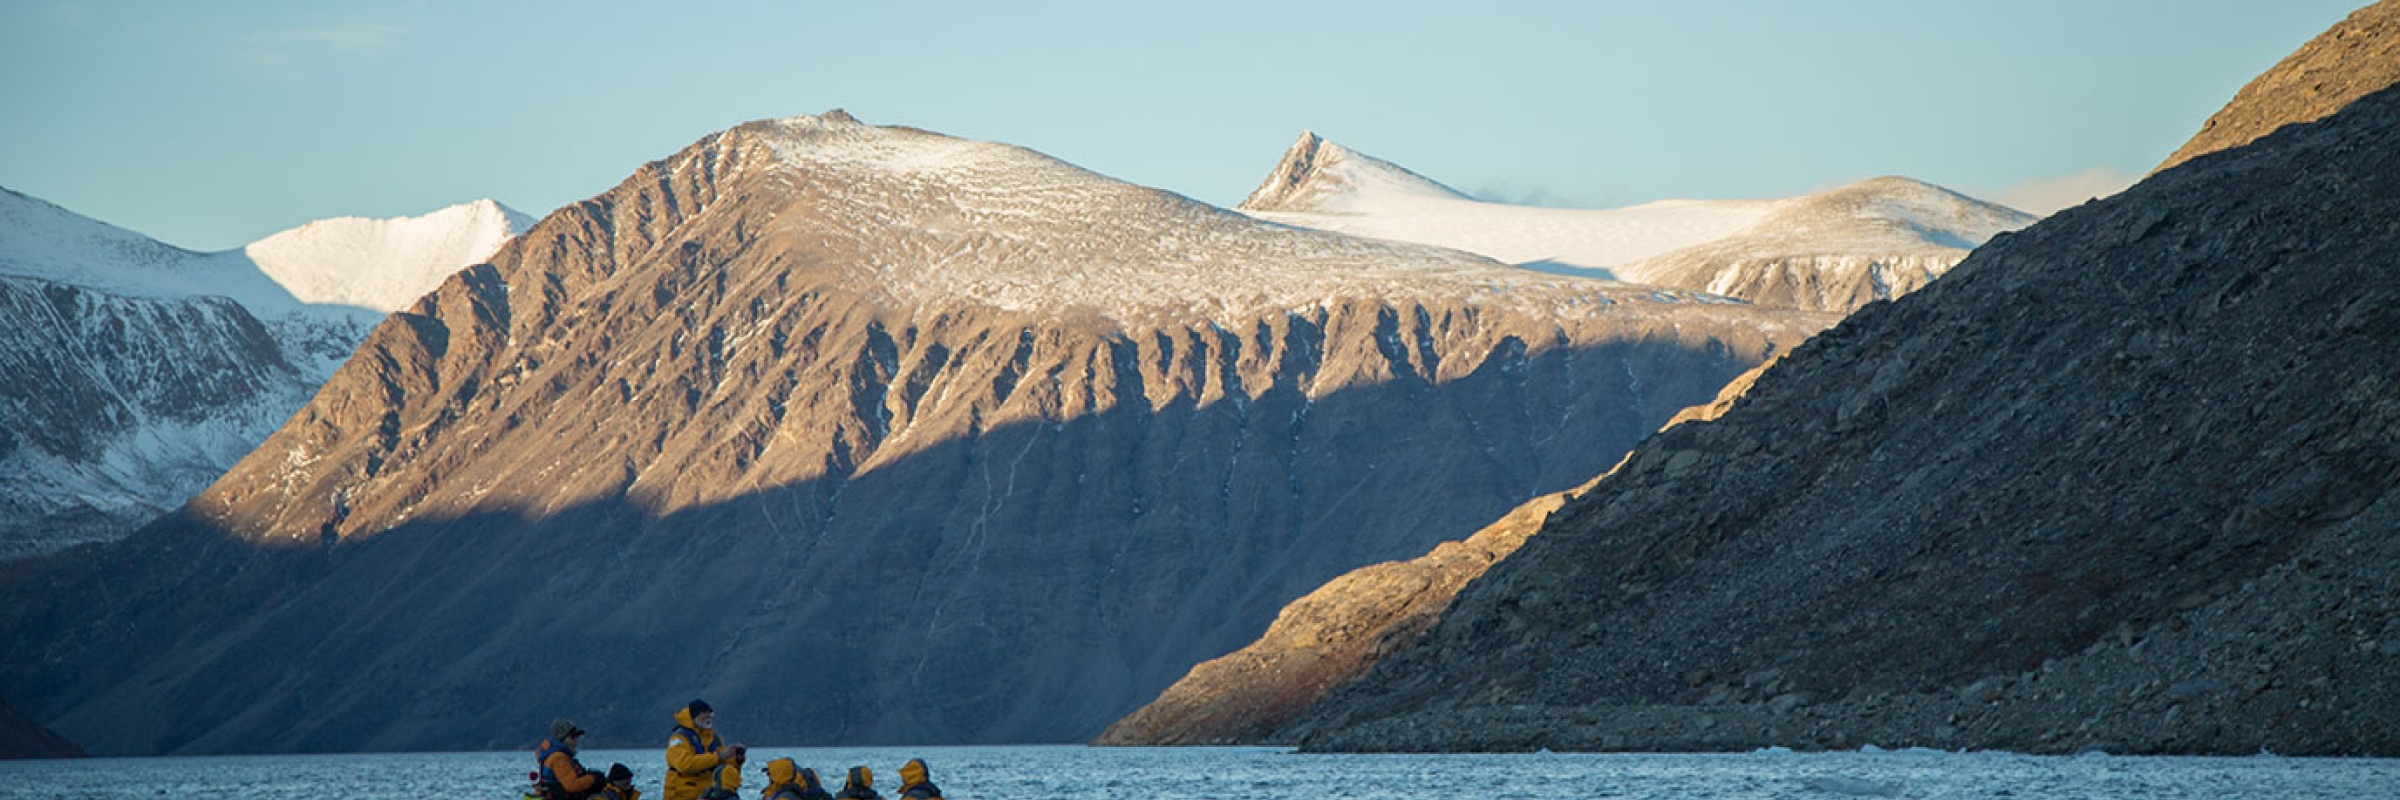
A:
1832	251
137	372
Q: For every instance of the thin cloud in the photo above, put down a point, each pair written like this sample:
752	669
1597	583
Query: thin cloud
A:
2046	196
288	45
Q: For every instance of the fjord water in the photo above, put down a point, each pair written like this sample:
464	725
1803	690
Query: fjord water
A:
992	773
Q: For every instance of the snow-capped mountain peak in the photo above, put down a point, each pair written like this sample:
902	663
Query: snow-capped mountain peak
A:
1021	230
1321	176
384	264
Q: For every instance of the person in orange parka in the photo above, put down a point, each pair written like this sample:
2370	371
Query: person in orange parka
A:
859	786
562	777
699	764
786	780
914	784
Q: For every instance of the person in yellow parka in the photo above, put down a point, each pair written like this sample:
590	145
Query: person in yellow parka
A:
914	784
786	780
701	766
859	786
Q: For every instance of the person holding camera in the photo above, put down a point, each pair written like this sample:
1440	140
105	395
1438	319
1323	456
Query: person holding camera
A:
700	765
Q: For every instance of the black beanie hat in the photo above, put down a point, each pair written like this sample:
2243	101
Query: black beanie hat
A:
617	773
698	707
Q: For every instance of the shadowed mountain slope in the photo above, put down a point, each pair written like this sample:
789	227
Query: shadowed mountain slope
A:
1336	632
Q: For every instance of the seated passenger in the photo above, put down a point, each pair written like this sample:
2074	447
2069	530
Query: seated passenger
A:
786	780
859	786
562	777
620	785
914	784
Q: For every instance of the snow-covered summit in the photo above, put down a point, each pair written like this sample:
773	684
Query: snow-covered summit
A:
1858	228
379	265
1320	184
1321	176
1839	249
1888	214
43	241
133	372
935	218
384	264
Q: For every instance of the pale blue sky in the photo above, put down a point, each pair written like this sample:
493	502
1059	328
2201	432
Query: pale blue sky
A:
209	124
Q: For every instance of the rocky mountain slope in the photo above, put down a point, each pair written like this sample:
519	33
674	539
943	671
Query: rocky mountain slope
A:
1335	633
865	434
137	372
1831	251
2358	56
2125	480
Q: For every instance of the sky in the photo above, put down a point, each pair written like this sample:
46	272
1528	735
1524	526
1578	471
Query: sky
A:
212	124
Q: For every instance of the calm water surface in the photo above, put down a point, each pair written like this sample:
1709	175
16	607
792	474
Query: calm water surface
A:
992	773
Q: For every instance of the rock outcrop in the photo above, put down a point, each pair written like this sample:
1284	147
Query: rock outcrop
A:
2125	480
2356	57
865	434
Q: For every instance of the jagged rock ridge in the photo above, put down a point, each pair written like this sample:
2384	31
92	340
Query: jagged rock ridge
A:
873	434
2123	481
137	372
1316	175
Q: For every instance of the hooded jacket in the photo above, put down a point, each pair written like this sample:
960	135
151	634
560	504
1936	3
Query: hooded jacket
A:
786	780
695	760
859	786
914	784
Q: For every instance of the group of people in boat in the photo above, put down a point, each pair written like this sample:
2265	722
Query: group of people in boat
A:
702	766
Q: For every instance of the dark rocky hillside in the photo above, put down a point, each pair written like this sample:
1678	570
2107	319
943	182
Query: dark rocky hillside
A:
21	737
2126	480
1334	634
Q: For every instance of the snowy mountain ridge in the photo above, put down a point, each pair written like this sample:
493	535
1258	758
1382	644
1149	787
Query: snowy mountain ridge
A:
384	264
136	371
1324	177
993	215
1821	251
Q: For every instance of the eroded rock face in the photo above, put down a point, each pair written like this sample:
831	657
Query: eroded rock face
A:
863	434
2357	57
2125	480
